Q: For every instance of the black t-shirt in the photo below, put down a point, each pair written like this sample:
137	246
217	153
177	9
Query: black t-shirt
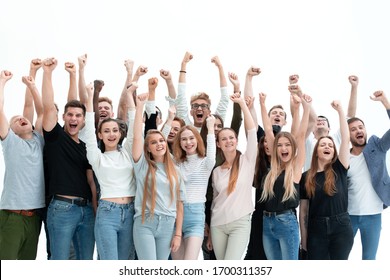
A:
322	205
275	204
66	164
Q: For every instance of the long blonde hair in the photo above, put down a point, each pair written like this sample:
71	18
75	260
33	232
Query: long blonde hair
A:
150	188
277	169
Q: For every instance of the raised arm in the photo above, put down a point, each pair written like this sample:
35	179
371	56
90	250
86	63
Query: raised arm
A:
123	100
138	139
72	91
222	106
269	134
301	136
379	95
28	109
344	154
166	75
181	100
5	76
248	90
33	91
248	121
150	108
50	117
352	104
82	60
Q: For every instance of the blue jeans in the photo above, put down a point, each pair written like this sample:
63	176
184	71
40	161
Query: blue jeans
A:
114	230
329	238
281	236
194	219
152	239
67	222
370	231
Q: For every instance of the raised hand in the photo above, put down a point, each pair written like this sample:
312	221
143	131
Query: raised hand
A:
187	57
129	64
293	79
216	61
49	64
295	89
354	80
253	71
5	75
378	95
28	81
70	67
233	78
82	61
165	74
152	83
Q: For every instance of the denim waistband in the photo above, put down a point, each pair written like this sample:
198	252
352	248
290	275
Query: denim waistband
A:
335	217
114	204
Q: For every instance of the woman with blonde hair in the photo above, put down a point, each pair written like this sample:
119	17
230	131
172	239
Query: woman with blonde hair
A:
280	193
160	191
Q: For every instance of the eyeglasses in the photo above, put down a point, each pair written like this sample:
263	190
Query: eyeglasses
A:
202	106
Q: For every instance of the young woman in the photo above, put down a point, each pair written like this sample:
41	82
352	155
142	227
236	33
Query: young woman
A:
232	204
160	191
280	193
114	171
326	230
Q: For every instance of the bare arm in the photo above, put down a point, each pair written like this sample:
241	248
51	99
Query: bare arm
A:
248	90
28	109
138	136
4	125
49	110
71	69
166	75
123	100
344	154
300	159
33	91
81	85
269	134
352	104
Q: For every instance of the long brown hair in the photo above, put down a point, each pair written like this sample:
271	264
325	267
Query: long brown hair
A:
235	165
277	169
179	154
150	179
329	185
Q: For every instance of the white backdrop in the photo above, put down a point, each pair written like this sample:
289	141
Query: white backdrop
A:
322	41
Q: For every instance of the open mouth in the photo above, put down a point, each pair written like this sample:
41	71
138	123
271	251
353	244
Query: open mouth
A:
24	123
277	120
103	115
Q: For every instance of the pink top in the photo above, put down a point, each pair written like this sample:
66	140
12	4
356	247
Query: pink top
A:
228	208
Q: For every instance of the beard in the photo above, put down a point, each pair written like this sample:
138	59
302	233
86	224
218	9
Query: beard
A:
356	144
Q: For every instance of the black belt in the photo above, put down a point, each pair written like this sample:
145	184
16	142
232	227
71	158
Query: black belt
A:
270	214
77	201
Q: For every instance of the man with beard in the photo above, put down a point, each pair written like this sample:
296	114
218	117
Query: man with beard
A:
319	125
368	181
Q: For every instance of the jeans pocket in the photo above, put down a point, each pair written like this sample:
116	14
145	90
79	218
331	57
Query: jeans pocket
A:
284	218
60	206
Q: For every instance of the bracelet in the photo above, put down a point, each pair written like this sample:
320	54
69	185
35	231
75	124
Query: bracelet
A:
177	235
182	71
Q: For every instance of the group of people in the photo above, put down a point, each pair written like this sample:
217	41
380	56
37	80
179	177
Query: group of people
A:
142	188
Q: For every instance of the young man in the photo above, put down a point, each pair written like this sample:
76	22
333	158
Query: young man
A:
70	215
24	189
200	103
368	181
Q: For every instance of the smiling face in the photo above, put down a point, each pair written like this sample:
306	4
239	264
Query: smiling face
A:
105	110
227	140
175	127
325	149
200	110
156	146
73	121
277	116
110	134
188	142
284	149
358	133
20	125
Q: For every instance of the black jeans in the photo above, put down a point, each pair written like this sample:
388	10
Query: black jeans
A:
330	238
